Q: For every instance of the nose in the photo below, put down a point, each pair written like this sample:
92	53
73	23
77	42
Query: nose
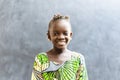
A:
61	36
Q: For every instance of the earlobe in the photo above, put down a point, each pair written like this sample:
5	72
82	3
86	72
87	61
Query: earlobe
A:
71	35
48	36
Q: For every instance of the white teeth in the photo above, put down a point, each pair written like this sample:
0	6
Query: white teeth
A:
61	42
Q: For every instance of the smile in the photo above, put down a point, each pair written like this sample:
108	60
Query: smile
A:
61	42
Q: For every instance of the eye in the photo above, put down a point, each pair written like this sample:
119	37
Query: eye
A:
66	33
55	33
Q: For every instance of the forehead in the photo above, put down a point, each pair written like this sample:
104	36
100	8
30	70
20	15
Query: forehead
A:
61	25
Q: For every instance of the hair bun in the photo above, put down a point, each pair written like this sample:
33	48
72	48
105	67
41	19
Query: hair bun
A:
59	16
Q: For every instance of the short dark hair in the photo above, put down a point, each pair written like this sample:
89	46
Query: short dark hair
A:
58	17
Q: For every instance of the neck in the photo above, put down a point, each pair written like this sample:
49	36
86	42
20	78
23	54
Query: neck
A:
59	51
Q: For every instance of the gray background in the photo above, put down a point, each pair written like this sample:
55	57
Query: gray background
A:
96	28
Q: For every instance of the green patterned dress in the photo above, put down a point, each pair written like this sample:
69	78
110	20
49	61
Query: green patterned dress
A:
73	69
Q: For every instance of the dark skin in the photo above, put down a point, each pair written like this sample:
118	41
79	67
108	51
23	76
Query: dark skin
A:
60	35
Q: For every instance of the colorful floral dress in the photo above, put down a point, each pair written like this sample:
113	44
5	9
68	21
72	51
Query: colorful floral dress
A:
73	69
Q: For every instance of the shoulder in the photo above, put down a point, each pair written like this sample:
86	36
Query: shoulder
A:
41	54
41	57
80	55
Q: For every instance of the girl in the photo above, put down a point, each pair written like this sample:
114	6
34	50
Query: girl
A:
59	63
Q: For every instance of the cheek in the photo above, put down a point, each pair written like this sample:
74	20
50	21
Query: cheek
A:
53	39
68	38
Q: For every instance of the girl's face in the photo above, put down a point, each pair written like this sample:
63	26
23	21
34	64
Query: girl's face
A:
60	34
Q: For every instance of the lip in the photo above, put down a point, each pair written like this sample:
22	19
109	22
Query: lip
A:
61	42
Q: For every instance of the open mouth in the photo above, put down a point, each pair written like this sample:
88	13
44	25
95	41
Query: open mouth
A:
61	42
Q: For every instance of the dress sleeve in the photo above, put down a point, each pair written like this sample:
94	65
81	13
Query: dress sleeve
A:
36	75
82	71
40	64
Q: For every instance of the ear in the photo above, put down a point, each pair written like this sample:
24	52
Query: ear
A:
48	35
71	35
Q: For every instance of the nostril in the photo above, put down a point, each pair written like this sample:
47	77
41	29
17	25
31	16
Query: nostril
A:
61	36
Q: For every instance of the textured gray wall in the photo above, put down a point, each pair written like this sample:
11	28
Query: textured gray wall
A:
96	28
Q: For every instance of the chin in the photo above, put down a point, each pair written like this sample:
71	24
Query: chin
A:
61	47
